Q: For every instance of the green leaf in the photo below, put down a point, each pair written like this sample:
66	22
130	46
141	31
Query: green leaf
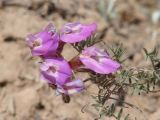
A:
127	117
120	114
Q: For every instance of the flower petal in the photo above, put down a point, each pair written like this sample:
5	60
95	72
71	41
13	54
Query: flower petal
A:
76	32
56	70
98	61
43	42
71	87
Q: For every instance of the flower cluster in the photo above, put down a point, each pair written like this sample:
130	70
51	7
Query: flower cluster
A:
55	70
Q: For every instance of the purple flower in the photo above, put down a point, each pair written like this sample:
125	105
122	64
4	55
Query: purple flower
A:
70	87
44	42
98	60
76	32
55	71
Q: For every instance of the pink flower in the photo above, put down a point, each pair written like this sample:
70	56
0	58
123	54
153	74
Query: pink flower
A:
98	61
57	72
70	87
76	32
44	42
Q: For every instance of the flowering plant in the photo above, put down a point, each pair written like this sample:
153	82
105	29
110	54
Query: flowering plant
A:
104	70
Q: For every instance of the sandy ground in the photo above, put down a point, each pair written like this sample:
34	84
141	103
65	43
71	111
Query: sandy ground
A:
24	97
